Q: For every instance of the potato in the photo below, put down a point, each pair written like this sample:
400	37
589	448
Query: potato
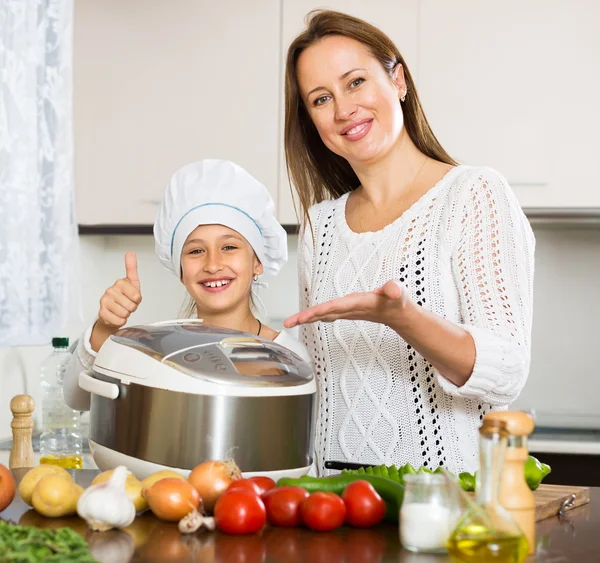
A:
133	487
56	495
163	474
33	476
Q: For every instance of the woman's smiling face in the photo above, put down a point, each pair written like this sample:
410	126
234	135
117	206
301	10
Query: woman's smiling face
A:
217	266
351	99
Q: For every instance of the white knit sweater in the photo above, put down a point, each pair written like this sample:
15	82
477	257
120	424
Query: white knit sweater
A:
465	252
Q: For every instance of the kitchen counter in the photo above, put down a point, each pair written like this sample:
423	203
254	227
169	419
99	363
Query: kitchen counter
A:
564	441
573	537
5	446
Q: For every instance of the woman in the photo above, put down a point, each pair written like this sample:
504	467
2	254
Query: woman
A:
416	273
217	233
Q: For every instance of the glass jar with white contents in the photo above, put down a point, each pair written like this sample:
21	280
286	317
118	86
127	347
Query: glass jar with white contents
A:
427	517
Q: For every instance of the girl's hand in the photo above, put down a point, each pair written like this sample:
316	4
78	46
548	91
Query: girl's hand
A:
123	297
385	305
117	303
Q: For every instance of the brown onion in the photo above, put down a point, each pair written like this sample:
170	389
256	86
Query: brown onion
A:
172	499
212	478
7	487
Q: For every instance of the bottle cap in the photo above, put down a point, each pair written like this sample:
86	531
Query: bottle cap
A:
491	426
518	423
60	342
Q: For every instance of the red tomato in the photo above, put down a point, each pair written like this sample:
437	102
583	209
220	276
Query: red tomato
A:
240	512
283	505
265	483
323	512
246	485
364	507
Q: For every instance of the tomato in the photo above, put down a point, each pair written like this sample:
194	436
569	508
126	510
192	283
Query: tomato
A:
246	485
283	505
240	512
265	483
323	512
364	507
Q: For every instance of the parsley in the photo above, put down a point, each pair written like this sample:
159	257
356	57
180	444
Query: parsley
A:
27	544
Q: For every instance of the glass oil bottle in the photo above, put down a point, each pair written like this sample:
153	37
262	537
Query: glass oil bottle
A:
514	493
487	532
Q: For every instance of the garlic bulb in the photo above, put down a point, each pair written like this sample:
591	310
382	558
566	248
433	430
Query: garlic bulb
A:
106	505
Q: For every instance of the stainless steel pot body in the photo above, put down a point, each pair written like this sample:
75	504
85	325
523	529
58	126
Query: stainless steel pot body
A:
183	429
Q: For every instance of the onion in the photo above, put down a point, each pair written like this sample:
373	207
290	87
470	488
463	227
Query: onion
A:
7	487
212	478
172	499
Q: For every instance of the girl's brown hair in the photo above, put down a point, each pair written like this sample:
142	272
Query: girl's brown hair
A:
317	172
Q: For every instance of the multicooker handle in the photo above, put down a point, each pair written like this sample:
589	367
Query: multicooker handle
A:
97	386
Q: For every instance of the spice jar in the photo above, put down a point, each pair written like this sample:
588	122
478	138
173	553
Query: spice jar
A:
426	516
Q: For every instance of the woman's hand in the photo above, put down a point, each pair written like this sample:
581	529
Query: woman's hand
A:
447	346
118	302
386	305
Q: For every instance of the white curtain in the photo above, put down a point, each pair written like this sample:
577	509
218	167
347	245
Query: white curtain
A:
38	232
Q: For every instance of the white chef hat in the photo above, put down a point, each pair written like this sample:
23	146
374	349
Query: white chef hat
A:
220	192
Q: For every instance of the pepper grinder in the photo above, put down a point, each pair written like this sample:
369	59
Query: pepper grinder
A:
515	494
21	452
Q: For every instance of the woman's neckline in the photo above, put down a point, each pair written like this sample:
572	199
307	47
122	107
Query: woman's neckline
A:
340	207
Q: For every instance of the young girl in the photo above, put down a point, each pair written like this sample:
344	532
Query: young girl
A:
217	233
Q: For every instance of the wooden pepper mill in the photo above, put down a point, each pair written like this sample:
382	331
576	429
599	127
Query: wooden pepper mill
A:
514	494
21	453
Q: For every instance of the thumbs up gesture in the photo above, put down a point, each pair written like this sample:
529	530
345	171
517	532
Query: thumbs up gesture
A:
123	297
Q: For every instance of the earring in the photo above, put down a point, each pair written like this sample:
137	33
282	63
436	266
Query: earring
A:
255	277
403	96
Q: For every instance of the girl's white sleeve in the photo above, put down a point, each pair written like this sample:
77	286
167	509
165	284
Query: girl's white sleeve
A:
493	267
82	359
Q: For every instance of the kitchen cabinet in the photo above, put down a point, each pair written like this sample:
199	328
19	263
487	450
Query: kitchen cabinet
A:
397	19
510	84
160	84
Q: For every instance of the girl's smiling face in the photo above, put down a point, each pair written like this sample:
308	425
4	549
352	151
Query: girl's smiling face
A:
351	99
217	265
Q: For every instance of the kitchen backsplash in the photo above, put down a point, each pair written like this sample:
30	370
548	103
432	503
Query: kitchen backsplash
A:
563	387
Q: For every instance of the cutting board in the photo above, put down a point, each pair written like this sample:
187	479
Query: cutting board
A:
550	498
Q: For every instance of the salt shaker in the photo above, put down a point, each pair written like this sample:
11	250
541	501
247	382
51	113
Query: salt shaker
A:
426	516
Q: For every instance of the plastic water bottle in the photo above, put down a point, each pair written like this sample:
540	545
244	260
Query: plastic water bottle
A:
60	442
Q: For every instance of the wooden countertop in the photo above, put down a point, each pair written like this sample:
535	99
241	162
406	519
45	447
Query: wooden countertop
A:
574	537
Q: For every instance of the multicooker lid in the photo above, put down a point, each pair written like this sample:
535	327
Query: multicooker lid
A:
217	355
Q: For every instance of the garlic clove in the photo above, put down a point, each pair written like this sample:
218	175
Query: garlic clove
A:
107	505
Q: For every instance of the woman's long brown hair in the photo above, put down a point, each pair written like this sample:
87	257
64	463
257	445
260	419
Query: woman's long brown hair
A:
315	171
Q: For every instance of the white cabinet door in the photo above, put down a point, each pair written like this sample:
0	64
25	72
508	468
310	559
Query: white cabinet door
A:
158	84
398	19
515	85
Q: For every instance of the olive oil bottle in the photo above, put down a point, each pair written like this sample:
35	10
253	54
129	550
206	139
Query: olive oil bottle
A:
477	544
487	532
61	441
